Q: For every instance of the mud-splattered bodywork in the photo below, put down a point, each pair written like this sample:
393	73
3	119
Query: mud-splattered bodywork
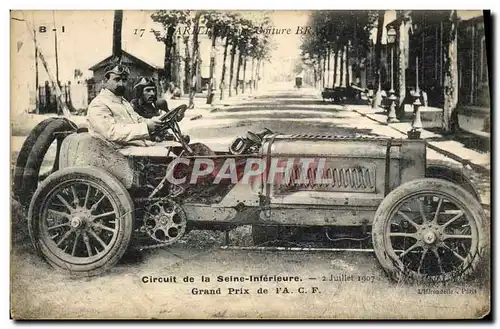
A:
286	188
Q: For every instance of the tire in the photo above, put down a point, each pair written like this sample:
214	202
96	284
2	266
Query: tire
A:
454	176
272	235
81	262
22	157
466	203
40	139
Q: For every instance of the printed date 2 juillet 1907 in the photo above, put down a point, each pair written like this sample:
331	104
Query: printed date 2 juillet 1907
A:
237	289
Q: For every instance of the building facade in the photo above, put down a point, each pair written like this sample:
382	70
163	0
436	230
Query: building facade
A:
138	68
426	59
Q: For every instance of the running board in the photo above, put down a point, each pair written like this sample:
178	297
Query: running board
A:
257	248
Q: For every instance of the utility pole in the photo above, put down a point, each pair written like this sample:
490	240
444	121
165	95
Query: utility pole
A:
55	46
65	108
37	100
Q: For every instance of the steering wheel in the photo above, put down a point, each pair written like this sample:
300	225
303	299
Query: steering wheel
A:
166	118
169	121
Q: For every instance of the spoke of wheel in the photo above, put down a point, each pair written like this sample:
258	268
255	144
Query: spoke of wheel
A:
95	205
422	260
103	215
454	252
86	197
95	236
65	236
74	244
457	236
59	213
439	260
87	244
405	216
438	209
460	214
104	227
66	204
421	208
57	226
408	250
76	201
402	234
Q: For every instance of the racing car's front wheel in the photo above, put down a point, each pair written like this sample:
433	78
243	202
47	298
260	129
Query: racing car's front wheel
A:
430	230
80	220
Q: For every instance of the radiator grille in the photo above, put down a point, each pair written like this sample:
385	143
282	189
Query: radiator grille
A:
346	179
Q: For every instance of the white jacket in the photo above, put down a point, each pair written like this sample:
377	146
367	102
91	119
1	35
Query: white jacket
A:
112	118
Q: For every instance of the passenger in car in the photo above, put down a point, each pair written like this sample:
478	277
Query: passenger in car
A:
145	101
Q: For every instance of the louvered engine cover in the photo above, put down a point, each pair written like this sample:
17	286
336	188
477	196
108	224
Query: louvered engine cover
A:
340	170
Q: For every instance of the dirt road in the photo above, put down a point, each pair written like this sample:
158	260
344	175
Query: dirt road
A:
331	285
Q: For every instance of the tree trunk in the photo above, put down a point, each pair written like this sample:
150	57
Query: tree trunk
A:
238	67
169	58
244	74
323	75
403	51
258	75
358	57
264	70
342	66
187	65
328	65
195	59
450	119
347	73
211	82
378	57
318	71
223	75
178	62
314	73
252	75
231	67
335	66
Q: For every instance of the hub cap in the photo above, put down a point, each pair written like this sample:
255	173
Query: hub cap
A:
429	237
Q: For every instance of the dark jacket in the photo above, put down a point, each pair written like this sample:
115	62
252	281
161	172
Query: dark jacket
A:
143	109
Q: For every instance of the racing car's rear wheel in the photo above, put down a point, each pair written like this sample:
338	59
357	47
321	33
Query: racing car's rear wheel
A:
430	230
80	220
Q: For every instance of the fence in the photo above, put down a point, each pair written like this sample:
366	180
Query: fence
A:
47	101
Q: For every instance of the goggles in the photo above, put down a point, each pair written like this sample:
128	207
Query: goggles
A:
145	82
118	69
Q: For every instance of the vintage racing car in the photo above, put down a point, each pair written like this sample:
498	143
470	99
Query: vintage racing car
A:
425	221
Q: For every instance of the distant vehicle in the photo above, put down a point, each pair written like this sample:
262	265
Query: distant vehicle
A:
298	82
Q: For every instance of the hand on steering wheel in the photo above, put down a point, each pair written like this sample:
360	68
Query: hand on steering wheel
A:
169	121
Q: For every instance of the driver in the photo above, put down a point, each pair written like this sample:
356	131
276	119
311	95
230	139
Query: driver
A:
145	101
111	117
